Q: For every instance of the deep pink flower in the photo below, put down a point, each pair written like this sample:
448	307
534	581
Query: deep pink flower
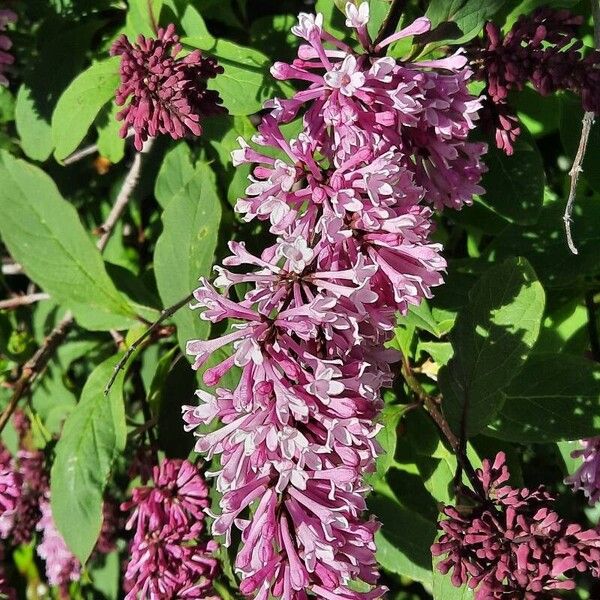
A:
514	545
6	58
166	94
10	489
541	49
587	476
61	566
168	559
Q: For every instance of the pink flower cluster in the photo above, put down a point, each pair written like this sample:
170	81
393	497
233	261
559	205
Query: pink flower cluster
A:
61	566
514	546
587	476
6	58
541	49
25	509
168	561
166	94
345	203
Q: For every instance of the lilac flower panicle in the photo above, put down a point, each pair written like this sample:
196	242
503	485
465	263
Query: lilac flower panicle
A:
163	93
587	476
168	559
10	489
6	58
514	546
347	203
61	566
541	49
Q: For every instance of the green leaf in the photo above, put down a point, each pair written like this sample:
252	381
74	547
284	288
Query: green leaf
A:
106	576
141	16
515	184
544	244
110	144
81	102
34	131
461	20
404	540
92	437
189	18
43	233
186	248
175	173
7	105
555	397
421	317
388	436
492	337
246	82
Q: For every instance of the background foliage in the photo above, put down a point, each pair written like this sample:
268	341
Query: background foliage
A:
514	330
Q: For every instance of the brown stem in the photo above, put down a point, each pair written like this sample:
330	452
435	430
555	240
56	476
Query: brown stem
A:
35	365
23	300
431	405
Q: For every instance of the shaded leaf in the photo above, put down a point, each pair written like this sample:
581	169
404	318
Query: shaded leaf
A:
404	540
555	397
465	18
515	184
492	337
92	437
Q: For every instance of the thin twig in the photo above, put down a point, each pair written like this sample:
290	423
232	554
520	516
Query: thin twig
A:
576	169
86	151
165	314
35	366
23	300
11	268
391	22
586	127
148	425
79	154
123	197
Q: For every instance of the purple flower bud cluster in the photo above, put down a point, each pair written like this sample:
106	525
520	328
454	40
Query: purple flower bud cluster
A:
587	477
166	94
6	58
540	49
168	559
346	203
514	546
